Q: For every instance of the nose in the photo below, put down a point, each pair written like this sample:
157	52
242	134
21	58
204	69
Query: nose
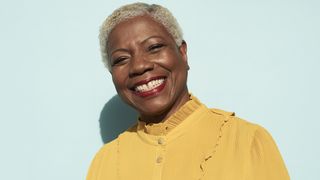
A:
139	65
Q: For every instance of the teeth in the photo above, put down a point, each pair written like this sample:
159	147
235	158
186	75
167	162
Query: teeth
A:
149	86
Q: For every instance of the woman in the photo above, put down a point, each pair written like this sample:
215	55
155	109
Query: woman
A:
176	136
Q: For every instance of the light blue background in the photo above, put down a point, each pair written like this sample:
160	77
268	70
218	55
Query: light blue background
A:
257	58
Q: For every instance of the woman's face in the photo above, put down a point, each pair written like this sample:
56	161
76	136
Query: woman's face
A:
148	70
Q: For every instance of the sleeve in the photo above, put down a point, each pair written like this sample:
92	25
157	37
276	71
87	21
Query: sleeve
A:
266	161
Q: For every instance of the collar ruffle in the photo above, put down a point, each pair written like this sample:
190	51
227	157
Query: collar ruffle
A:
164	127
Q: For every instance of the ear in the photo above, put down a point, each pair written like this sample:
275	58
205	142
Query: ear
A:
183	51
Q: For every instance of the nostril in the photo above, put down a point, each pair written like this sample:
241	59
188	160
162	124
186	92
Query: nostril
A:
140	67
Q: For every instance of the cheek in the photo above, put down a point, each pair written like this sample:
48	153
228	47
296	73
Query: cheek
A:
118	80
169	61
175	59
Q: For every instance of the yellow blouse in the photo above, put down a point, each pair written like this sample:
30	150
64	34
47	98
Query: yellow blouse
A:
194	143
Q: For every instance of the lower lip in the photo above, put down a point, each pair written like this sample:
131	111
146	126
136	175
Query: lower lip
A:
152	92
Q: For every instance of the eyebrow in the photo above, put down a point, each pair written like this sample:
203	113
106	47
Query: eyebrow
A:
119	49
142	42
159	37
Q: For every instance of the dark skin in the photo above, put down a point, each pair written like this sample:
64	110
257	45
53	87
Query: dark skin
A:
140	50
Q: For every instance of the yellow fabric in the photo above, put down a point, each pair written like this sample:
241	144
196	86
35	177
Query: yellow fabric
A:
194	143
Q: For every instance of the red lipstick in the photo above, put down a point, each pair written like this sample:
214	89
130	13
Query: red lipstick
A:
153	91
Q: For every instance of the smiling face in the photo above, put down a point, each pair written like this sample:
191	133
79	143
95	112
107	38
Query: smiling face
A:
148	69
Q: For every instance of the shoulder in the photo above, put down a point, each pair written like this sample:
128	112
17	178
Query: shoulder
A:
248	136
107	149
242	129
254	144
233	120
113	145
107	156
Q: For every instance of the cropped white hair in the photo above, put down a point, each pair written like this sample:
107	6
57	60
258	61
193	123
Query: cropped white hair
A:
160	14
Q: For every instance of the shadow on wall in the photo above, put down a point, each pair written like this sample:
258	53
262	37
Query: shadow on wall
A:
115	118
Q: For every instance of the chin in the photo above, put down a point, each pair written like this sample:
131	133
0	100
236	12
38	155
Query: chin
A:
155	107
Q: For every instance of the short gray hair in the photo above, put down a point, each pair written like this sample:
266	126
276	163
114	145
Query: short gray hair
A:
159	13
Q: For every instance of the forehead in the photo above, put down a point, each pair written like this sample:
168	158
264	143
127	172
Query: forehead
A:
137	29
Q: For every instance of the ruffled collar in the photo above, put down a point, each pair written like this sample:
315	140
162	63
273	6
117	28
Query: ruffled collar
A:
173	121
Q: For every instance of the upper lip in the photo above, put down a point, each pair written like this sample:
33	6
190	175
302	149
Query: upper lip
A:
145	81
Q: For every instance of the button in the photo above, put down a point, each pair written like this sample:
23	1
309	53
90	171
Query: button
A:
160	141
159	160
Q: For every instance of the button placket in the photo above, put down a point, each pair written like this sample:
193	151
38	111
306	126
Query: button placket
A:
159	158
161	149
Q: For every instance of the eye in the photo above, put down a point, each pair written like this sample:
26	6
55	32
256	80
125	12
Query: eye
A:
120	60
155	47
